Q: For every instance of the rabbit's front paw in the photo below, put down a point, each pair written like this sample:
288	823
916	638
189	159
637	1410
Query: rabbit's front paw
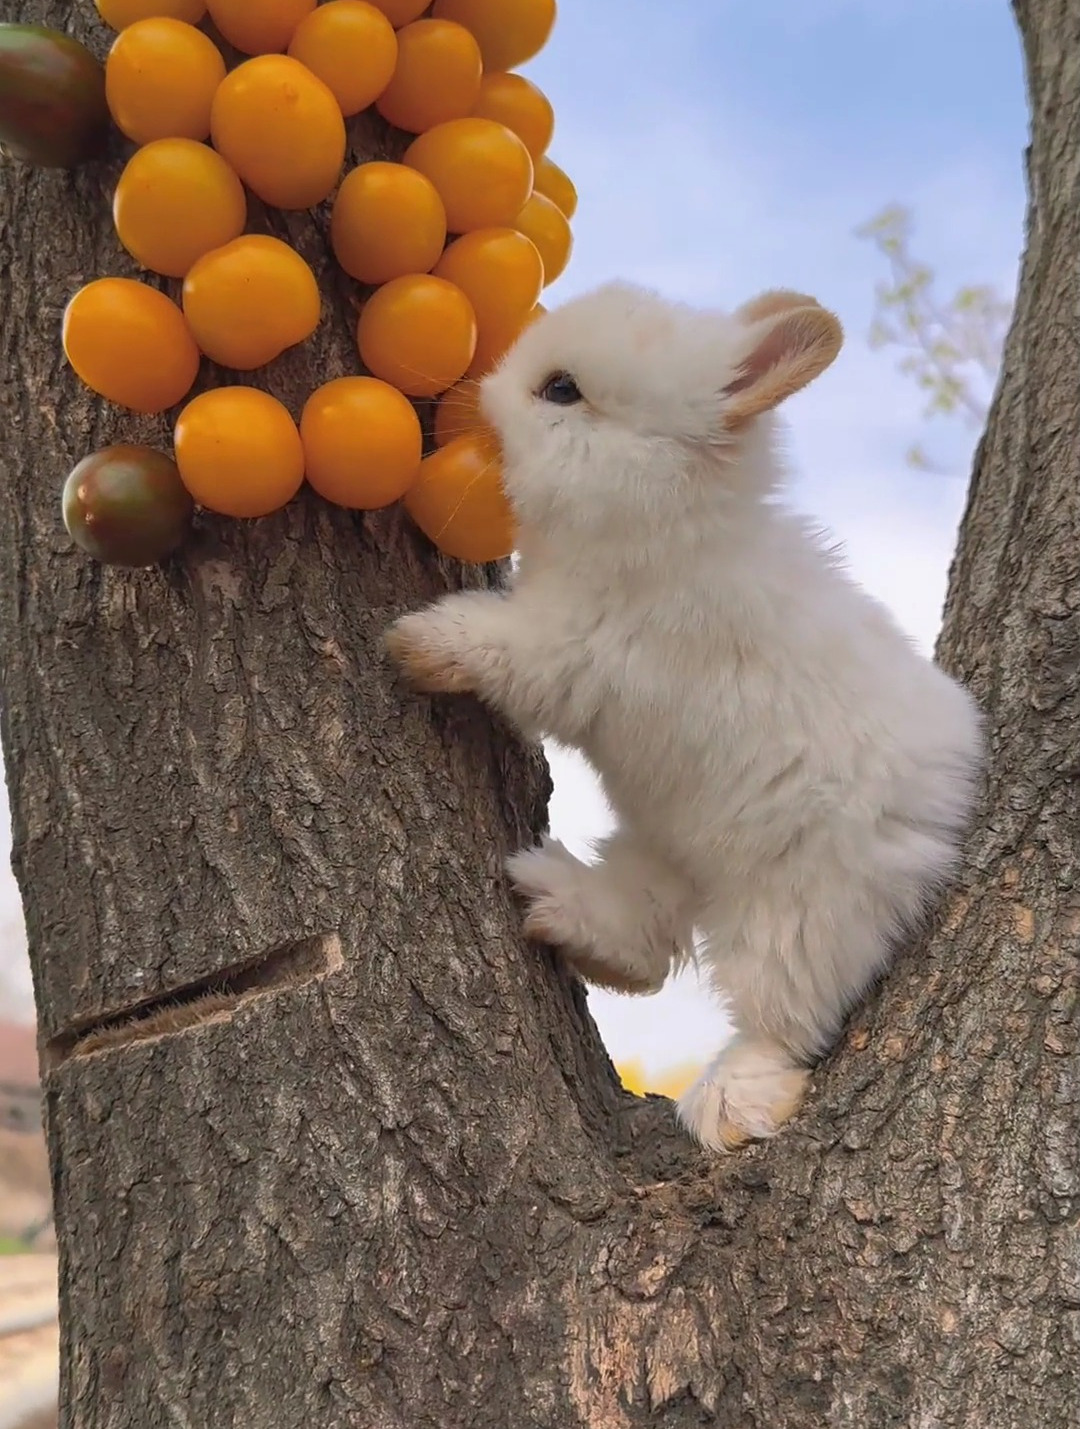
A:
428	648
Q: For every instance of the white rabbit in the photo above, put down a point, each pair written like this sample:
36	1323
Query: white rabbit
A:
789	776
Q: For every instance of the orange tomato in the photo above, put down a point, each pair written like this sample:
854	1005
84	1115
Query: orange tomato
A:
495	341
515	101
388	221
509	32
119	14
175	200
351	47
160	79
238	452
281	129
457	413
458	501
554	183
249	300
418	333
549	229
437	76
482	171
500	272
401	12
130	344
362	442
258	29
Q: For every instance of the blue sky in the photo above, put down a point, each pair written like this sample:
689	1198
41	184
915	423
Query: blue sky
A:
812	110
723	148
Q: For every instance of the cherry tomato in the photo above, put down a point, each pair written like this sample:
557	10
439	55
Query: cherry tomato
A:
351	47
549	230
249	300
259	28
126	506
281	129
482	171
500	272
239	452
495	340
401	12
458	413
175	201
515	101
160	80
388	221
509	31
130	344
437	76
554	183
418	333
458	501
362	442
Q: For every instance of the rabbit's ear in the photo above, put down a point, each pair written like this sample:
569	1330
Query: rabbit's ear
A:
786	352
776	300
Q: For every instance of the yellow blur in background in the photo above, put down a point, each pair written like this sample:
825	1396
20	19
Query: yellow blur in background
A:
671	1083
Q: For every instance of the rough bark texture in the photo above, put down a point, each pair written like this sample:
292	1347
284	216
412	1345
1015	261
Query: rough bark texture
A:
382	1176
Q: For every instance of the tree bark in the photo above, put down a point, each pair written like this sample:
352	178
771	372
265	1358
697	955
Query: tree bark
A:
329	1145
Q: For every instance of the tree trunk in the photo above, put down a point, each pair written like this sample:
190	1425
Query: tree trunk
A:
329	1145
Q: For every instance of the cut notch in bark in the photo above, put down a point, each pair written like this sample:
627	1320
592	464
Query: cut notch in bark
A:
210	999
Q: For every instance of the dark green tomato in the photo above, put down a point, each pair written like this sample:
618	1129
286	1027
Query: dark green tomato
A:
52	97
127	506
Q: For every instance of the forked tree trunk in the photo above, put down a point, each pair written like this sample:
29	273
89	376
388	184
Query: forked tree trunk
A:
384	1178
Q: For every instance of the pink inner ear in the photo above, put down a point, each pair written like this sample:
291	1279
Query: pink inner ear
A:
774	348
793	350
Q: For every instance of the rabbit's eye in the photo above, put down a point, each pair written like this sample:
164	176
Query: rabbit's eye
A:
561	389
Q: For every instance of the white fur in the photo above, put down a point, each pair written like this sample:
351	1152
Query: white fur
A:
789	776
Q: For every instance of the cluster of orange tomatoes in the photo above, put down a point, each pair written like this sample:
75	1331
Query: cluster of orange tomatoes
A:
456	243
